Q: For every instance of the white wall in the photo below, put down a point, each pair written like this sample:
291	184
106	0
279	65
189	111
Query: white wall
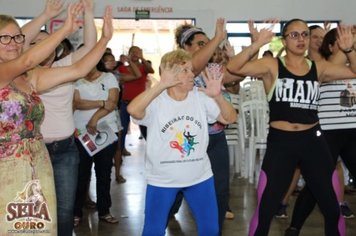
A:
206	11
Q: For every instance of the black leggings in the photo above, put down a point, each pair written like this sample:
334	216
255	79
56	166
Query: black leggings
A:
341	143
286	150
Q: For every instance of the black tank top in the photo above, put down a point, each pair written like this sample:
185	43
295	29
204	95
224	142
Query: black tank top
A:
295	97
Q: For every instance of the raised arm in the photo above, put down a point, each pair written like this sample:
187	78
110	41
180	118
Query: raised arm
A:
241	63
137	107
202	56
336	68
147	66
345	40
32	28
90	36
230	52
35	55
134	74
213	80
61	75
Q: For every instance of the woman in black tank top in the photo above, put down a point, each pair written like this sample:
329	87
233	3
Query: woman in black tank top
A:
295	137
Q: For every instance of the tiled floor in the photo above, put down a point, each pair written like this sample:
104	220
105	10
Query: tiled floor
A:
128	206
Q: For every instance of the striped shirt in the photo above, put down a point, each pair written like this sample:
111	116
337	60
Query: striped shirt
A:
337	105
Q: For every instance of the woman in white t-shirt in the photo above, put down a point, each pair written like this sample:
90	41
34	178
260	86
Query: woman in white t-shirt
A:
176	117
95	99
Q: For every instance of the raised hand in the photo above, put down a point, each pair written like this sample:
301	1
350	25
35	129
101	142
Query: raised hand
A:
255	34
327	25
53	8
72	23
170	76
140	54
253	30
213	79
265	35
220	31
345	38
228	48
108	29
88	5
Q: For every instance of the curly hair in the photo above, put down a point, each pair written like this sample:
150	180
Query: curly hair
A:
184	34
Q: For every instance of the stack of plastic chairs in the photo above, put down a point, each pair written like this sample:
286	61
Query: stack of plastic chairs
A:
254	113
232	137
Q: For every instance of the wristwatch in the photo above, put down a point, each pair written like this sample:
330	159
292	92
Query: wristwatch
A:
347	50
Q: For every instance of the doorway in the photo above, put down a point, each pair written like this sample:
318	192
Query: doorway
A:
154	36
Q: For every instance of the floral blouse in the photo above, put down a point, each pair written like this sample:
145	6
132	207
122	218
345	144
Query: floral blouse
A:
21	115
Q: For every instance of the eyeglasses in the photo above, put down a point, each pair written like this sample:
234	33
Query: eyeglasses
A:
6	39
296	35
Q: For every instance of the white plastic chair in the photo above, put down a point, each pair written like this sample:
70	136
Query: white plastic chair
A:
233	138
254	114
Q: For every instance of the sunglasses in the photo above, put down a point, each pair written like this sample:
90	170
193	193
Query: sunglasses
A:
296	35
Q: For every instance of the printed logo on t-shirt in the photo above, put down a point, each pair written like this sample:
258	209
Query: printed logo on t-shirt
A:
348	96
28	212
185	140
299	93
184	143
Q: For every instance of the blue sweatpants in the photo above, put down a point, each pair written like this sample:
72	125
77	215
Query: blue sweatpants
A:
201	199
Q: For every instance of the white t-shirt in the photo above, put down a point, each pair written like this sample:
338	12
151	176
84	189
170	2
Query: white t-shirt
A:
58	121
177	139
337	105
95	90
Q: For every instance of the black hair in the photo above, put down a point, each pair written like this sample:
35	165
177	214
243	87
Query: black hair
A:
179	34
61	47
286	25
101	64
68	44
267	52
44	31
329	39
313	27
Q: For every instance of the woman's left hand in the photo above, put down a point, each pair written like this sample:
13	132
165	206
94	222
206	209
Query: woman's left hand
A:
345	38
213	76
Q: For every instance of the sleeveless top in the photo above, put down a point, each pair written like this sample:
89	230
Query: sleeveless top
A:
294	98
21	115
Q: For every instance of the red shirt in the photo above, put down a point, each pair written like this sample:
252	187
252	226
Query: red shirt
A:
134	87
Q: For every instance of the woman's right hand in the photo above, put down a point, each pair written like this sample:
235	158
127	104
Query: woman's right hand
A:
72	23
170	76
220	31
53	8
108	29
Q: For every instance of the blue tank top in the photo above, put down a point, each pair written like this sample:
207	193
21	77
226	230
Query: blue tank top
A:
294	97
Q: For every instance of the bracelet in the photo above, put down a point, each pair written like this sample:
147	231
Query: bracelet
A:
347	50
